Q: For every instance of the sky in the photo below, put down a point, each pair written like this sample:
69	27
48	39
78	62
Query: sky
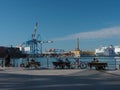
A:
95	22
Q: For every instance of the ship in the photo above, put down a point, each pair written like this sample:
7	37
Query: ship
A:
105	51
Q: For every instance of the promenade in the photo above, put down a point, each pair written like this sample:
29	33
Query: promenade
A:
69	79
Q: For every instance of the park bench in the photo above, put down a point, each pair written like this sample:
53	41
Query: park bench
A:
98	65
61	65
34	64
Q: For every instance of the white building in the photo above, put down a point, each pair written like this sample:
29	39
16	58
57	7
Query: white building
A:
24	49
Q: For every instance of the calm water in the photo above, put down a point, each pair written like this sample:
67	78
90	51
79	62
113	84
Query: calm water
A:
46	62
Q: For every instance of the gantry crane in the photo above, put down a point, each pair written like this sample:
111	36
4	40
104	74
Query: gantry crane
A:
35	43
34	32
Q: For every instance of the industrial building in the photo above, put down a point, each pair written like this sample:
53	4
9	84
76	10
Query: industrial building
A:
14	52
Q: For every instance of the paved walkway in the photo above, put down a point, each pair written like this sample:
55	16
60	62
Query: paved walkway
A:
19	79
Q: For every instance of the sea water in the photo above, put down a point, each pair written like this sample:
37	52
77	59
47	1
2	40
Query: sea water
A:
46	62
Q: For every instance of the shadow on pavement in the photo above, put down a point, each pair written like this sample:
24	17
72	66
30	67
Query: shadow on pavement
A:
86	80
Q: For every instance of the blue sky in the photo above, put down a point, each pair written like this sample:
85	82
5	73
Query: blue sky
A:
95	22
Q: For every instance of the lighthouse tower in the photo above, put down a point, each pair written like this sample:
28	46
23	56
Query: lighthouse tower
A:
77	45
76	52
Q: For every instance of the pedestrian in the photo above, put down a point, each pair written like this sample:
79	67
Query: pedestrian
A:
27	62
7	60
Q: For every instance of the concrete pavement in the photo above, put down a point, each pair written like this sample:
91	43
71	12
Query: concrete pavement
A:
20	79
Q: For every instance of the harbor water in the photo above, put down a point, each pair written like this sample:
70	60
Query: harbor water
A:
46	62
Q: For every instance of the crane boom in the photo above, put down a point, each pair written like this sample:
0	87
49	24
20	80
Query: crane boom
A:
35	29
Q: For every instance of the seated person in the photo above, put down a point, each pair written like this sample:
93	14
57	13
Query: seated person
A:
67	61
95	60
32	60
59	60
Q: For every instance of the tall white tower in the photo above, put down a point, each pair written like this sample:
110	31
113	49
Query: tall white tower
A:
77	44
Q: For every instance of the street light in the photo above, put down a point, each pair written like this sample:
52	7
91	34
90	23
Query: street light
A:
42	42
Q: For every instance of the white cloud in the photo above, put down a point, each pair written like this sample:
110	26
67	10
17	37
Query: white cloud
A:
103	33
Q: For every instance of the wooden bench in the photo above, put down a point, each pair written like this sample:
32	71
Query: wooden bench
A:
33	64
97	65
61	65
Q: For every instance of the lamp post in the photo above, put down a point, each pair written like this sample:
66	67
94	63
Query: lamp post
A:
47	61
42	42
115	64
